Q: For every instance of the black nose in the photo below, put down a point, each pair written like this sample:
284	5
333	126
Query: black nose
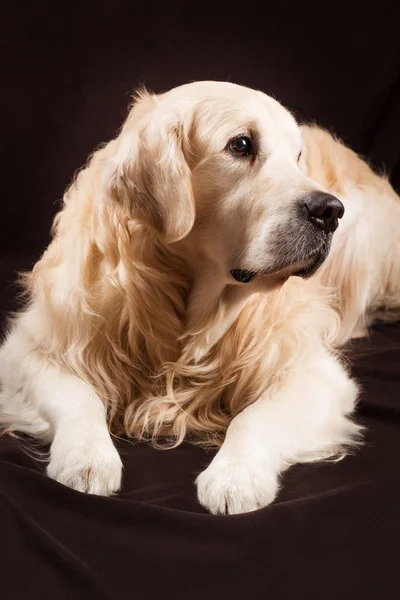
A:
324	210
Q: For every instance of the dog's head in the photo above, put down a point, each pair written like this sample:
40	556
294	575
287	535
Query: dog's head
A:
222	167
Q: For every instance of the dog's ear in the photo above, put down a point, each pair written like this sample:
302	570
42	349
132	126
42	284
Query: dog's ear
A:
148	174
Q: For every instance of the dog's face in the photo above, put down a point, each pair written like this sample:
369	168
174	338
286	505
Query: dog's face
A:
223	167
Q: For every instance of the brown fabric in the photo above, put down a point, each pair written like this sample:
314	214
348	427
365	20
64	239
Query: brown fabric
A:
332	533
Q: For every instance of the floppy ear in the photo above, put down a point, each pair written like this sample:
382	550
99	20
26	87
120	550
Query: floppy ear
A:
149	175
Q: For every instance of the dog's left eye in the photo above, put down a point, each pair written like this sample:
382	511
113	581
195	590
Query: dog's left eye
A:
299	156
240	146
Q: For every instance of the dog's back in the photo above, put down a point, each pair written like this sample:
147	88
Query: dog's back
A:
363	265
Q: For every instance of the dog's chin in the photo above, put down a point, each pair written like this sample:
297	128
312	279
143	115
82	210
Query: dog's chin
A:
310	267
304	268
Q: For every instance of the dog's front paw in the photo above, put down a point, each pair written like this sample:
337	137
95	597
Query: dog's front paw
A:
232	484
87	464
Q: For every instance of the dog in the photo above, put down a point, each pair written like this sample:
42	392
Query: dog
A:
196	288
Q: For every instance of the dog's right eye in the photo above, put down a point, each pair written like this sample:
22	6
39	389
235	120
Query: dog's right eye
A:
241	146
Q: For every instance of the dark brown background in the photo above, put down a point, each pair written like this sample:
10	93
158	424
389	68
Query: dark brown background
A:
68	74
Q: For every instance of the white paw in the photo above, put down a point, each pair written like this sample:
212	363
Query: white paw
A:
87	464
234	484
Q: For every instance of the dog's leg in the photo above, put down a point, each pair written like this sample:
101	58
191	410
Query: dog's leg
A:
305	418
82	454
42	400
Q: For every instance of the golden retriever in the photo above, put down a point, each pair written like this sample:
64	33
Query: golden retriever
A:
195	288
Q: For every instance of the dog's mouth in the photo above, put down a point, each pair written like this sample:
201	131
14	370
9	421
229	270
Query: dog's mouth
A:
304	268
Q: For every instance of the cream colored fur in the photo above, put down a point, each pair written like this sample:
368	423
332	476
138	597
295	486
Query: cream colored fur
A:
134	324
